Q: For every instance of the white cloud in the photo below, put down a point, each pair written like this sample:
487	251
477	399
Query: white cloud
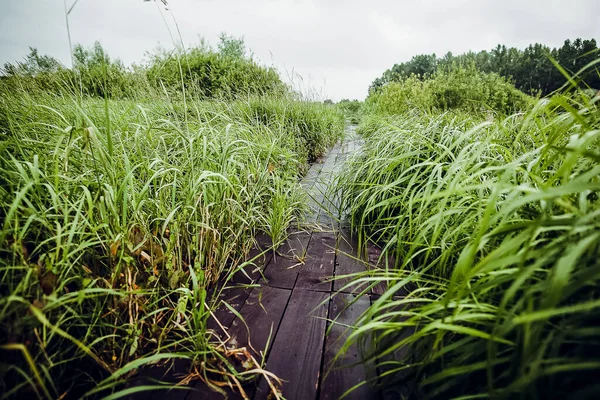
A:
290	11
391	31
337	46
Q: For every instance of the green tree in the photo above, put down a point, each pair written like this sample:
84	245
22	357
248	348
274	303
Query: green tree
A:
33	64
230	46
530	69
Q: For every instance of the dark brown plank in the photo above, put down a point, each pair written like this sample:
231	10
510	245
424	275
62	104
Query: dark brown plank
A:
377	261
262	313
262	310
283	268
167	374
337	379
348	261
319	265
298	346
387	392
260	256
235	297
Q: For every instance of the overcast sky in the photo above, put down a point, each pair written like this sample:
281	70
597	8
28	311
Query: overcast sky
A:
336	47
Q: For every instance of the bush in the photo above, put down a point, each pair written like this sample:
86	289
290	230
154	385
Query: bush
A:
95	74
465	89
200	72
210	74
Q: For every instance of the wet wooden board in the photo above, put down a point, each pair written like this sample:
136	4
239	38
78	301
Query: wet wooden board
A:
376	261
337	379
405	390
260	256
282	271
320	263
315	205
262	313
235	297
262	309
298	346
348	262
311	176
150	376
326	219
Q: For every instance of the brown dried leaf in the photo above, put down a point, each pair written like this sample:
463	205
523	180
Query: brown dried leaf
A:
24	251
39	304
114	247
48	282
145	256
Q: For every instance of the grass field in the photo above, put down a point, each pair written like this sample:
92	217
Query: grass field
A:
494	229
128	194
118	215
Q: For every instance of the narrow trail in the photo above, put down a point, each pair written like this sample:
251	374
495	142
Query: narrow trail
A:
324	210
290	309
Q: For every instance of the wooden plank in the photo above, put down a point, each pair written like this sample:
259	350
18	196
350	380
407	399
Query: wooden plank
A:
298	347
259	321
376	261
282	271
168	374
235	297
348	261
319	265
387	393
261	255
337	379
326	218
311	175
262	313
312	213
316	196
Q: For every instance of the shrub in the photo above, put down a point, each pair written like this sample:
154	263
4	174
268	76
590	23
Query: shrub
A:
209	74
460	88
200	72
494	229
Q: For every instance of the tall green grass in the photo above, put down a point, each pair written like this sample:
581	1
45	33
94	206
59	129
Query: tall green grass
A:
352	109
494	227
118	216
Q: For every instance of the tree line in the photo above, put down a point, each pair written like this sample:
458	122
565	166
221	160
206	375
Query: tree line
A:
532	70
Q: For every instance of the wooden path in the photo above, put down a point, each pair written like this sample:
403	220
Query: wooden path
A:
287	311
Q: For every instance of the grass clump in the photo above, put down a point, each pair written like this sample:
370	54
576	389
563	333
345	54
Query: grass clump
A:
119	215
208	74
352	110
494	227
